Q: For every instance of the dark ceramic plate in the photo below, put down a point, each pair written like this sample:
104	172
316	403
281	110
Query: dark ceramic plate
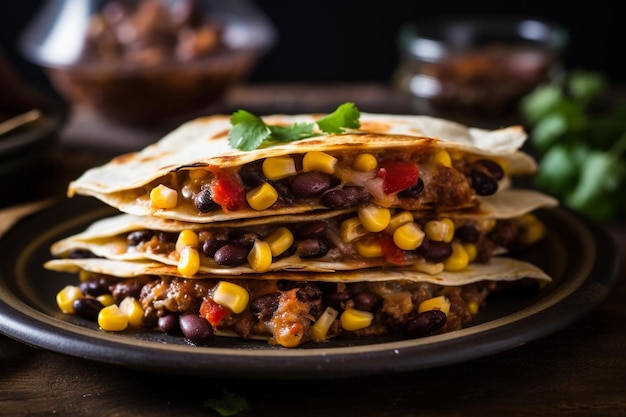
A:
578	254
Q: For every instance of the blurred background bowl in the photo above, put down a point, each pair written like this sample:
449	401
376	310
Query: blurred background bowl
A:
476	70
138	62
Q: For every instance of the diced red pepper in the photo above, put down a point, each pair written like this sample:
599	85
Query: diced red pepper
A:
392	253
212	312
227	190
397	175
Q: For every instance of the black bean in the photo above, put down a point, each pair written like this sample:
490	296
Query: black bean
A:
139	236
346	197
211	245
195	328
312	248
265	306
336	300
95	287
310	184
81	254
366	301
315	228
494	169
168	237
232	254
87	308
425	323
252	174
308	292
437	251
203	201
413	191
284	192
483	183
169	324
467	233
126	288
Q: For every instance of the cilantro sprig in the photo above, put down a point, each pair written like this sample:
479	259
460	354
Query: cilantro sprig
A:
581	141
250	132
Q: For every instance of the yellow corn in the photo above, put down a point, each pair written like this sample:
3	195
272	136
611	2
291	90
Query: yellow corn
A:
196	174
435	303
365	162
440	230
398	220
186	237
189	261
353	319
106	299
231	296
473	306
471	250
280	240
66	297
319	161
432	268
84	275
319	330
260	257
279	167
458	260
369	248
443	157
351	229
163	197
133	310
534	230
374	218
262	197
112	318
408	236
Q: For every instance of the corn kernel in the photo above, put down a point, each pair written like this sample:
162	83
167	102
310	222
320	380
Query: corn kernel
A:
279	167
408	236
398	220
106	299
196	174
133	310
66	297
432	268
262	197
319	330
440	230
231	296
473	306
260	256
471	250
369	248
280	240
435	303
351	229
163	197
374	218
365	162
186	237
443	157
534	230
353	319
112	318
189	261
319	161
458	260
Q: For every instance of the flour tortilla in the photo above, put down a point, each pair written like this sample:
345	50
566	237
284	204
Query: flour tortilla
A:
203	142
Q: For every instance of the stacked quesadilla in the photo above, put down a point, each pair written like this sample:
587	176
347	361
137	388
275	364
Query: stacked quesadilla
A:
403	224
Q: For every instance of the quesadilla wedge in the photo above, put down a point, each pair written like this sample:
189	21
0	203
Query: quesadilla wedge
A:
407	162
320	242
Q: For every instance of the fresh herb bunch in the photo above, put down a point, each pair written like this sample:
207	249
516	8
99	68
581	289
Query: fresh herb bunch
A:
250	132
580	138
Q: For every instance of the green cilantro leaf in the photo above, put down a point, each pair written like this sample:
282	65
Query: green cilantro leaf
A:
228	404
250	132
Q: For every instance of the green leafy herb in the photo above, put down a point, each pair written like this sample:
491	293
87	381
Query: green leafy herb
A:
228	404
581	141
249	131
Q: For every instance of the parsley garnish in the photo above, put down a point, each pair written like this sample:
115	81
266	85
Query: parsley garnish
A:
250	132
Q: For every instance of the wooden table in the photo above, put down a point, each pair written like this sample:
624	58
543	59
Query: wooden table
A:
578	371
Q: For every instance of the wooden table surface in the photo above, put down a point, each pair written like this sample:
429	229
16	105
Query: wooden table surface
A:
577	371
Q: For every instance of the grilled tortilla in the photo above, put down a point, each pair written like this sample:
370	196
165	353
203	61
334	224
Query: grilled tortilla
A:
421	163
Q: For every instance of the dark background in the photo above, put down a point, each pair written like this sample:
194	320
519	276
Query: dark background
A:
355	41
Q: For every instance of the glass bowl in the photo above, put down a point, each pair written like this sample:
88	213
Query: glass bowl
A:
476	70
144	60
